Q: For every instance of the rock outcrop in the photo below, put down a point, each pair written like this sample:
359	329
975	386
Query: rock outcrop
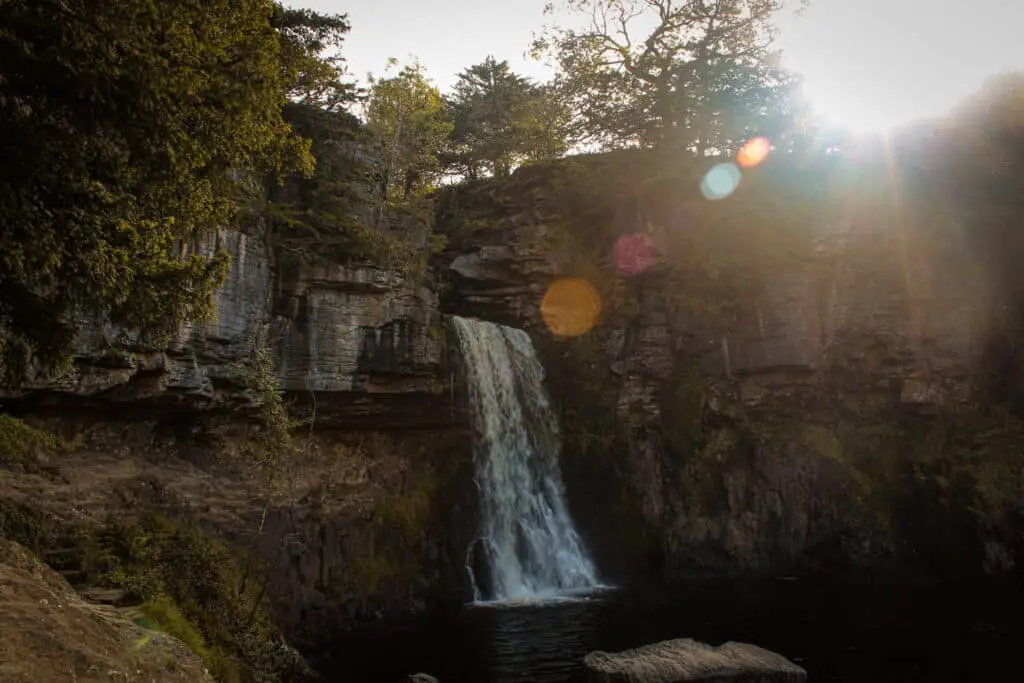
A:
361	354
777	388
687	661
758	398
421	678
51	634
335	331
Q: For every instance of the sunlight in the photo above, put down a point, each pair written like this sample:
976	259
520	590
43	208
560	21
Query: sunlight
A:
873	65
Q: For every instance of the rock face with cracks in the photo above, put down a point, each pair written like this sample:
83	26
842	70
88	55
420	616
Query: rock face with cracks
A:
687	660
784	388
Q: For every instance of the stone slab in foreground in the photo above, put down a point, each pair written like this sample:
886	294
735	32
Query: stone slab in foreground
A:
686	660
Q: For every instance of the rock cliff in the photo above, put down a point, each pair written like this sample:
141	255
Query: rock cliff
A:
336	331
370	522
795	380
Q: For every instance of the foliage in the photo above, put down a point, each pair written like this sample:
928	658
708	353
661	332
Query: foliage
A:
132	129
501	119
692	74
329	217
19	441
162	614
313	67
406	113
268	457
188	581
316	217
28	526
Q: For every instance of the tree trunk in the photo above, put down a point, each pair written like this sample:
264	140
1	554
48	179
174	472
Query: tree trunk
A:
411	178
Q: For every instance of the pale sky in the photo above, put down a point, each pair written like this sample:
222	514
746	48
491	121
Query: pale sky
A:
868	64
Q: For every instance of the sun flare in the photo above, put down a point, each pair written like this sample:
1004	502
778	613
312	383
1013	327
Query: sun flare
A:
872	65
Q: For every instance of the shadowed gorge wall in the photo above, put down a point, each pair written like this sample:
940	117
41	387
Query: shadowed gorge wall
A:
368	517
800	380
817	373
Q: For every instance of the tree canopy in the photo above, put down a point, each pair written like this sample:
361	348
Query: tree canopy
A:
693	74
130	129
501	119
406	113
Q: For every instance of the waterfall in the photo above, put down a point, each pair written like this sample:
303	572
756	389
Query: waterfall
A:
528	546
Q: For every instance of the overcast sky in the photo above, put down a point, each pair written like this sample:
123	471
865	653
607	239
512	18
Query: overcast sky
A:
867	63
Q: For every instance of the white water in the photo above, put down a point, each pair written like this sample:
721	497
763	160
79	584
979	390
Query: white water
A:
532	548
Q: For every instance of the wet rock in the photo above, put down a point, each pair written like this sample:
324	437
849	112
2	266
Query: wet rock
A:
105	596
684	659
421	678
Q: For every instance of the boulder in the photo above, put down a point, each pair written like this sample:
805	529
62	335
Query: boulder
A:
686	660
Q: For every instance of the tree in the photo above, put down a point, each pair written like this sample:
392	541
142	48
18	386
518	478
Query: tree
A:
320	216
313	68
130	129
406	114
669	72
328	216
501	119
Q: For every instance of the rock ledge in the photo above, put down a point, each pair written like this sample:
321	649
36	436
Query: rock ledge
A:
687	660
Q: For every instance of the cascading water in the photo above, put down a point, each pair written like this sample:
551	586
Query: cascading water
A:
529	545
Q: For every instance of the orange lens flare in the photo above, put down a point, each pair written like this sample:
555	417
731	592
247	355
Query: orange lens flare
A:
570	307
753	152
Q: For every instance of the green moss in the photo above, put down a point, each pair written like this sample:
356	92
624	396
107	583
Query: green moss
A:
685	397
19	442
162	614
408	511
28	526
371	570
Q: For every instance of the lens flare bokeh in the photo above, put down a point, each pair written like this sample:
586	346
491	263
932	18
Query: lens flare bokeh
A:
632	254
753	152
570	307
721	181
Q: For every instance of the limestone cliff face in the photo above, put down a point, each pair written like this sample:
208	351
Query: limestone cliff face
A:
334	330
815	420
371	519
779	389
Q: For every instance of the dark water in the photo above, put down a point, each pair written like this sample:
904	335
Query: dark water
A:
837	632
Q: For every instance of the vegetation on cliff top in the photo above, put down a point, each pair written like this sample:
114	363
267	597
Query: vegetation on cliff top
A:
197	113
131	128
